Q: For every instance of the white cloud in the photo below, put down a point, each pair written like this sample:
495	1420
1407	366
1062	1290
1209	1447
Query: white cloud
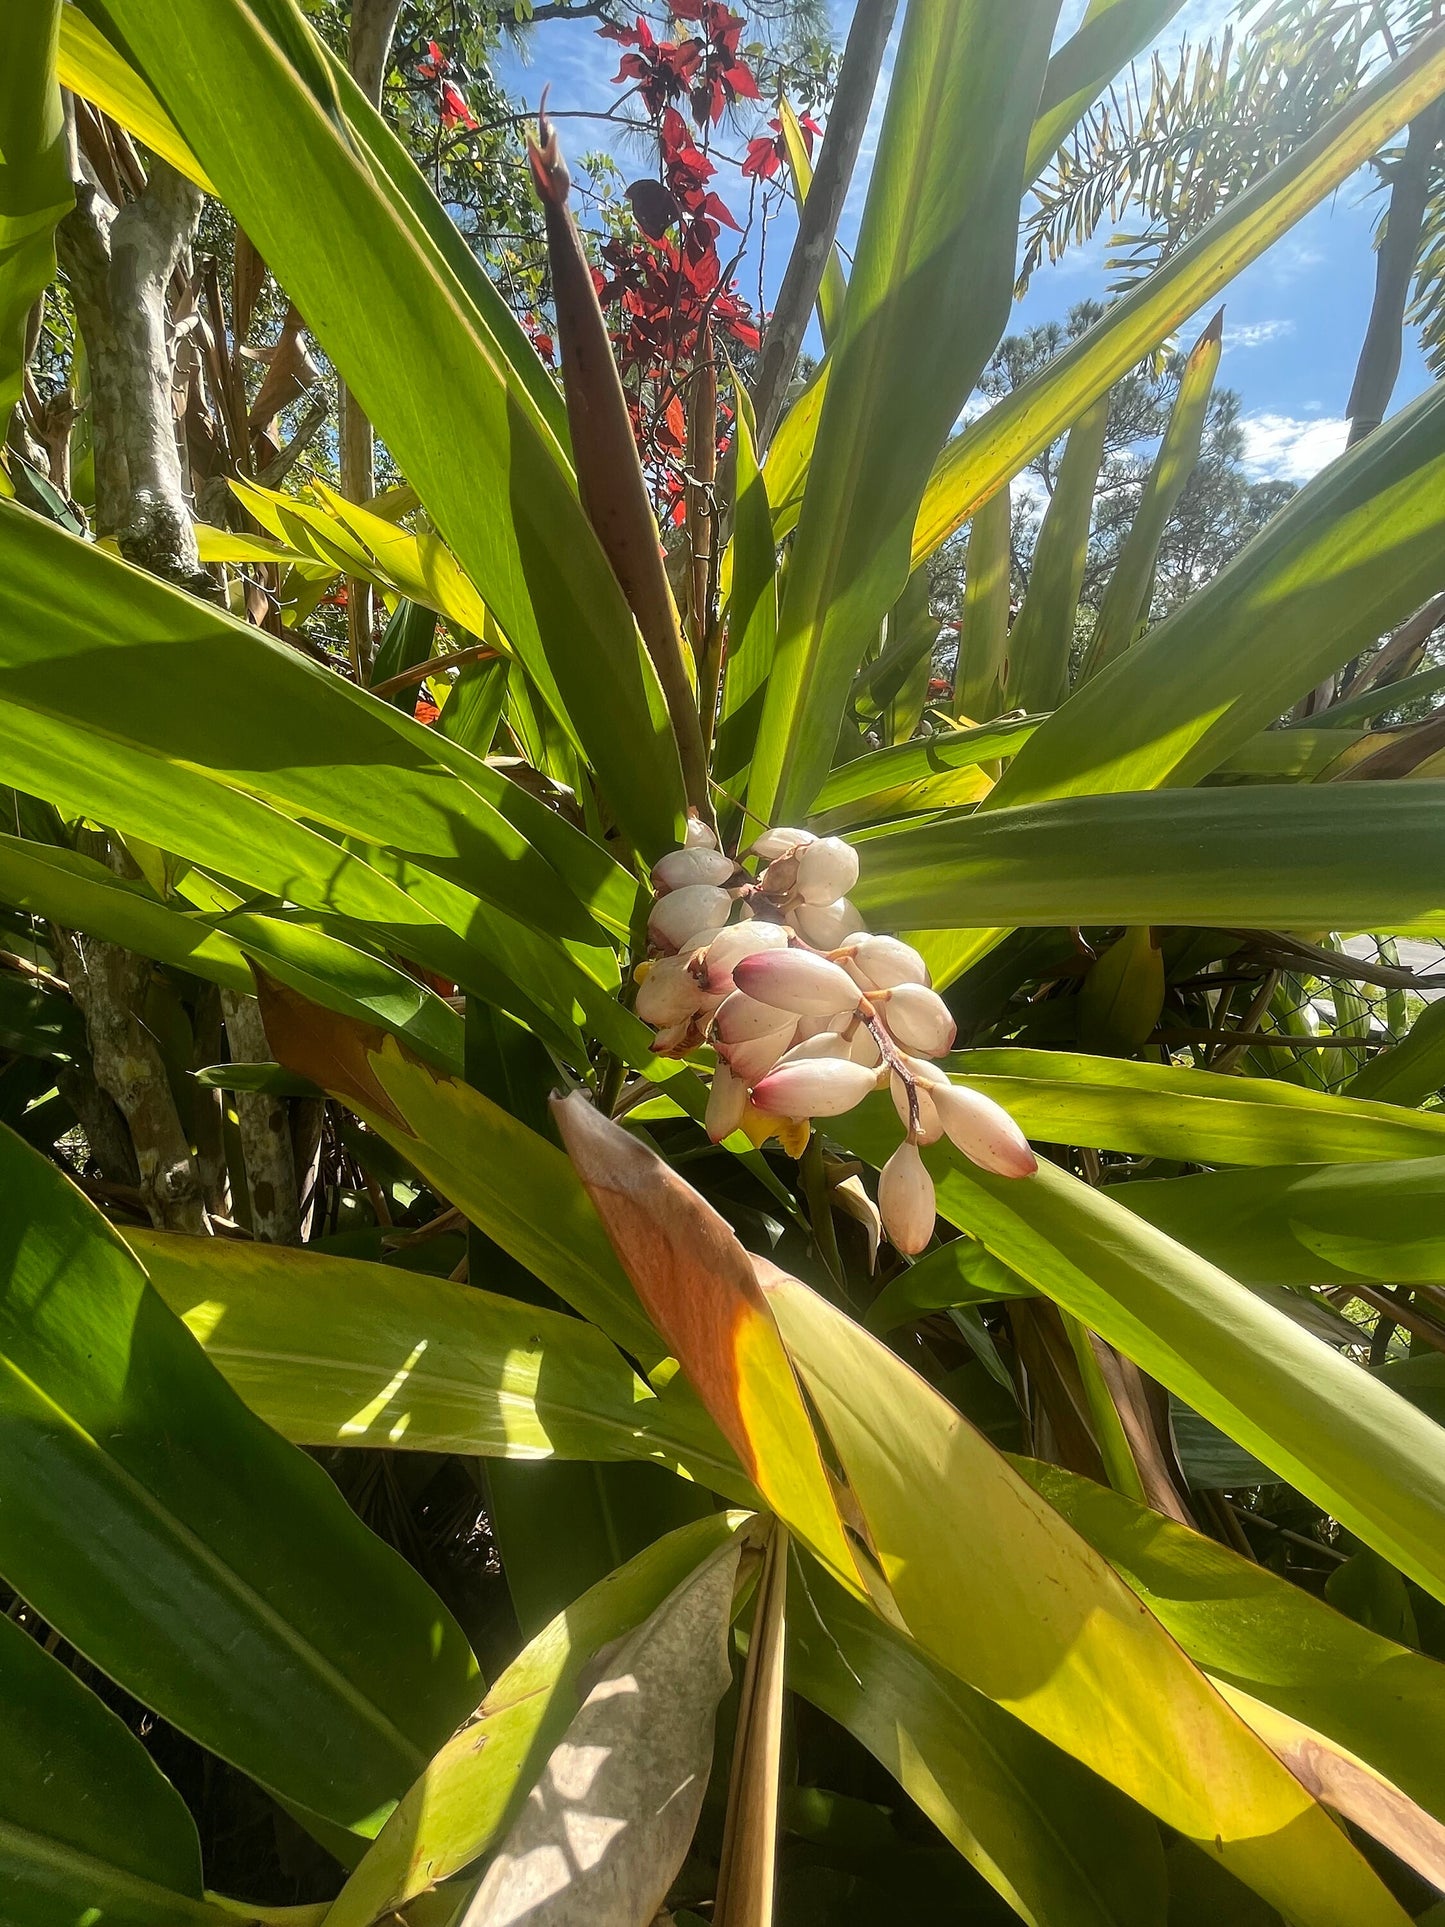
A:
1288	448
1254	334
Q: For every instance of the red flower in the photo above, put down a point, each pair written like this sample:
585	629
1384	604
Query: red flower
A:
662	68
426	710
765	157
454	109
436	63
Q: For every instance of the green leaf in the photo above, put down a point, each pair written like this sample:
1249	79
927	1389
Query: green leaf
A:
927	301
1411	1070
1056	1841
252	82
80	893
1386	696
471	1790
353	983
1245	1624
994	1585
1360	856
1196	1117
1323	1425
103	704
1357	549
81	1801
752	611
35	188
1039	644
214	1552
885	782
37	1021
1125	602
91	67
1313	1224
994	448
983	619
1122	995
833	289
335	1351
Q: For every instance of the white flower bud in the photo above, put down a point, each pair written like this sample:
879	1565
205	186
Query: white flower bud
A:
983	1131
686	913
823	1043
827	870
825	1088
697	835
918	1019
750	1037
797	980
930	1125
823	924
905	1200
698	865
740	1018
780	842
669	993
730	946
863	1047
815	1026
879	963
726	1102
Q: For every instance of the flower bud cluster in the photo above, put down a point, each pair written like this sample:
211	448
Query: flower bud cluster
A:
809	1012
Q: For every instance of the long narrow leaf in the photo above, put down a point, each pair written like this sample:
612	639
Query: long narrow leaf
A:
994	448
1345	857
927	301
1124	604
246	83
1355	551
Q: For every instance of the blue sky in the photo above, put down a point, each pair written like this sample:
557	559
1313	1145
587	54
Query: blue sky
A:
1293	320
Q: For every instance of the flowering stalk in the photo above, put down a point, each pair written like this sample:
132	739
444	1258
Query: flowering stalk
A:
809	1013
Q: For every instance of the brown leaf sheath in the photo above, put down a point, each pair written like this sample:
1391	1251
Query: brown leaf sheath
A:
609	474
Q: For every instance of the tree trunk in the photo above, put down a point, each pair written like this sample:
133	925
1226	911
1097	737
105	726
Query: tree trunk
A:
265	1131
120	261
108	985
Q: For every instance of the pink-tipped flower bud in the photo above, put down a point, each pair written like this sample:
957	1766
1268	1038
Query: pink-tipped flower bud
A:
669	993
750	1037
687	913
726	1102
824	1088
698	835
918	1019
780	842
824	925
983	1131
880	963
730	946
827	870
699	865
797	980
929	1128
906	1202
